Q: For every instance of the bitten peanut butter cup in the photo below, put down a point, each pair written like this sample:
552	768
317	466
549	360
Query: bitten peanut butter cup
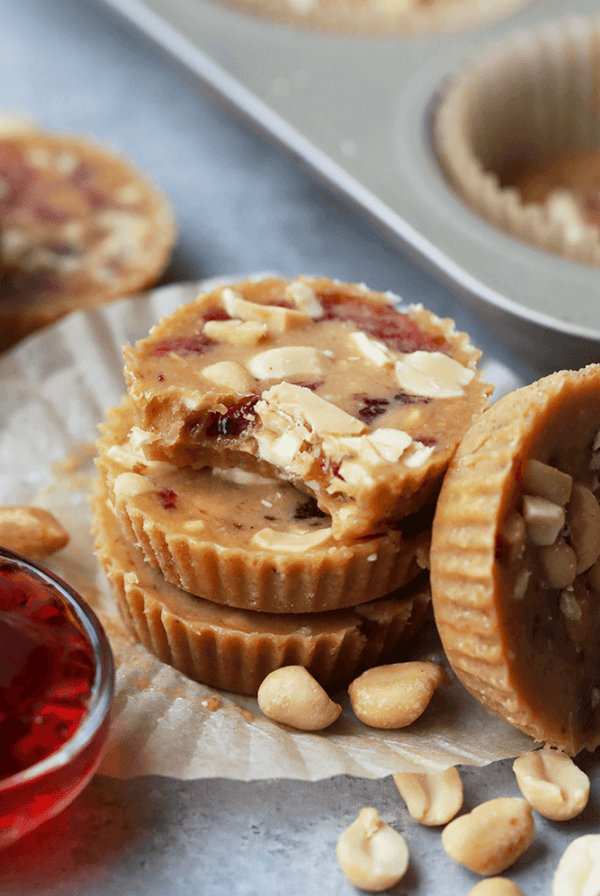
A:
80	225
320	383
515	569
237	538
235	649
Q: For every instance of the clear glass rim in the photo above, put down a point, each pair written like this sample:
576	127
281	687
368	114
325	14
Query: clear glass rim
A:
102	686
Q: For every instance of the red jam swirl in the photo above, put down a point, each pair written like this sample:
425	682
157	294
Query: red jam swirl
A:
46	670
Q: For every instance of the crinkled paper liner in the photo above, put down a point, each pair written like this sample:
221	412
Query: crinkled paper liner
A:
533	93
383	17
55	388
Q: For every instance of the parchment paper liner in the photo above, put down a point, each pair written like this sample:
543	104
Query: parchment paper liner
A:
55	388
532	94
316	580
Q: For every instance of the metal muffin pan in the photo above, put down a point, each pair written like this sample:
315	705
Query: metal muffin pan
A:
357	112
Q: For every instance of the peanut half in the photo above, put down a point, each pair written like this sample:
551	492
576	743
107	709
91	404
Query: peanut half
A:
394	696
371	854
578	872
496	886
31	531
491	837
292	696
432	798
552	784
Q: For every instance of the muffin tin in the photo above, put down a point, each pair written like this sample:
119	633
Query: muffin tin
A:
358	112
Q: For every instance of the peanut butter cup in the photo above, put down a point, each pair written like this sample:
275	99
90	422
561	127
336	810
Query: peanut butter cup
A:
325	384
515	568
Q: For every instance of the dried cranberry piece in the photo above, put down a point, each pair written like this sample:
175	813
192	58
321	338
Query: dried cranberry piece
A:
197	344
307	510
311	386
405	398
168	498
215	314
237	419
371	408
384	322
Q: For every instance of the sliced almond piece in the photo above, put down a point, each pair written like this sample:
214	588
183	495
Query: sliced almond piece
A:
290	542
229	375
235	332
288	361
304	298
433	375
372	349
127	485
297	402
277	319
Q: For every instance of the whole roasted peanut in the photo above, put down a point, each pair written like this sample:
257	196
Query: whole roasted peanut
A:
583	519
292	696
496	886
491	837
552	784
371	854
432	798
31	531
578	872
393	696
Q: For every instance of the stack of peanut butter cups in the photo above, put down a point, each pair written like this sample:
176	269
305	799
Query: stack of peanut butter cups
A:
518	135
267	485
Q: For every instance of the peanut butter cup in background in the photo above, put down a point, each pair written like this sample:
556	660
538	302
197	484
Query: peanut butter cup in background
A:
518	136
80	225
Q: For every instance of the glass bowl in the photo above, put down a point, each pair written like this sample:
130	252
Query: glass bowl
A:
56	686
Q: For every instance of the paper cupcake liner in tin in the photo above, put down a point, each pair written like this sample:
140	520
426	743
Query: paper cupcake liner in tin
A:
197	527
512	129
407	17
233	649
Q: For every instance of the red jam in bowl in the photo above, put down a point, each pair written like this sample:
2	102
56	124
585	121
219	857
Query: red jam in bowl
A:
56	686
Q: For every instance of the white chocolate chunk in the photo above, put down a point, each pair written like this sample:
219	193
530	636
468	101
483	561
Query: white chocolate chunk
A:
279	450
235	332
372	349
432	375
229	375
290	542
544	519
277	319
128	485
304	298
299	403
289	361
